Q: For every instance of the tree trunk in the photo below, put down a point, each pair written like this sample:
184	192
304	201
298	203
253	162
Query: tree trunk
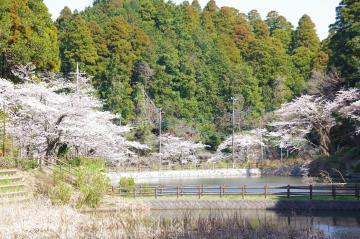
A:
325	141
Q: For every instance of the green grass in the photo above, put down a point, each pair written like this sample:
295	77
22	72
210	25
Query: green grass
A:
325	198
12	189
6	181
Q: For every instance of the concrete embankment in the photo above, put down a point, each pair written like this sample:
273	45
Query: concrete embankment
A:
148	175
305	205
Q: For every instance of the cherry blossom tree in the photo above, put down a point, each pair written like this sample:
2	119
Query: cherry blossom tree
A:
313	113
47	115
177	149
247	146
347	104
299	117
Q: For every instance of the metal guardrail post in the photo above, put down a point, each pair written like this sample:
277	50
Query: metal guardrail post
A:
333	191
311	191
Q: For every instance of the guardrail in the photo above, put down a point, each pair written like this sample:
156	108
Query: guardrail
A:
62	166
334	191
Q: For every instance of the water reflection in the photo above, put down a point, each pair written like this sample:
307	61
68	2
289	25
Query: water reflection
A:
330	222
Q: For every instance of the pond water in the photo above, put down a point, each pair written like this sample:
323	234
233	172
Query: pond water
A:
330	222
230	181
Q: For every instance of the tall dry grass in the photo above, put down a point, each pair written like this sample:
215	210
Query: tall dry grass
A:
40	220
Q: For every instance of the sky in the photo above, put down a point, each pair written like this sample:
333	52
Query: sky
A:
322	12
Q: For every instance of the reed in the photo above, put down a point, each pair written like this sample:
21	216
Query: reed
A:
40	219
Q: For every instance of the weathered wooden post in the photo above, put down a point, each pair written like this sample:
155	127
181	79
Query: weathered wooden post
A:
155	192
199	192
177	191
311	191
221	191
242	191
288	191
265	191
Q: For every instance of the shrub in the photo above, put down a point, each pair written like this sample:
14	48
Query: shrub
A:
92	184
92	163
126	184
24	164
60	194
59	175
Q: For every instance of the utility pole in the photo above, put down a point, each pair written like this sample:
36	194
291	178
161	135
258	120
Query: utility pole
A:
233	130
160	129
120	118
4	131
78	74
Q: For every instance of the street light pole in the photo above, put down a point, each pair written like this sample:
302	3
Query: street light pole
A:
233	130
4	131
160	129
261	138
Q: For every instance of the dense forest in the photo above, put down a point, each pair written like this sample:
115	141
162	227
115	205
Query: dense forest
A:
190	60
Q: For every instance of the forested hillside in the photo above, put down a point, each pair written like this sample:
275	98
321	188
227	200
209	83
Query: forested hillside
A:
190	60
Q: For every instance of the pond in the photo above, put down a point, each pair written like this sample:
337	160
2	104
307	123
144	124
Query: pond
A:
330	222
271	181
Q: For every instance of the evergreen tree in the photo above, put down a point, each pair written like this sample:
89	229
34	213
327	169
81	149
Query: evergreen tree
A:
125	43
76	43
306	46
196	5
280	28
27	35
345	43
259	27
305	35
209	16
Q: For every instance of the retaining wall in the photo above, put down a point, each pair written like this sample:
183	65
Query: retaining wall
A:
143	176
253	204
